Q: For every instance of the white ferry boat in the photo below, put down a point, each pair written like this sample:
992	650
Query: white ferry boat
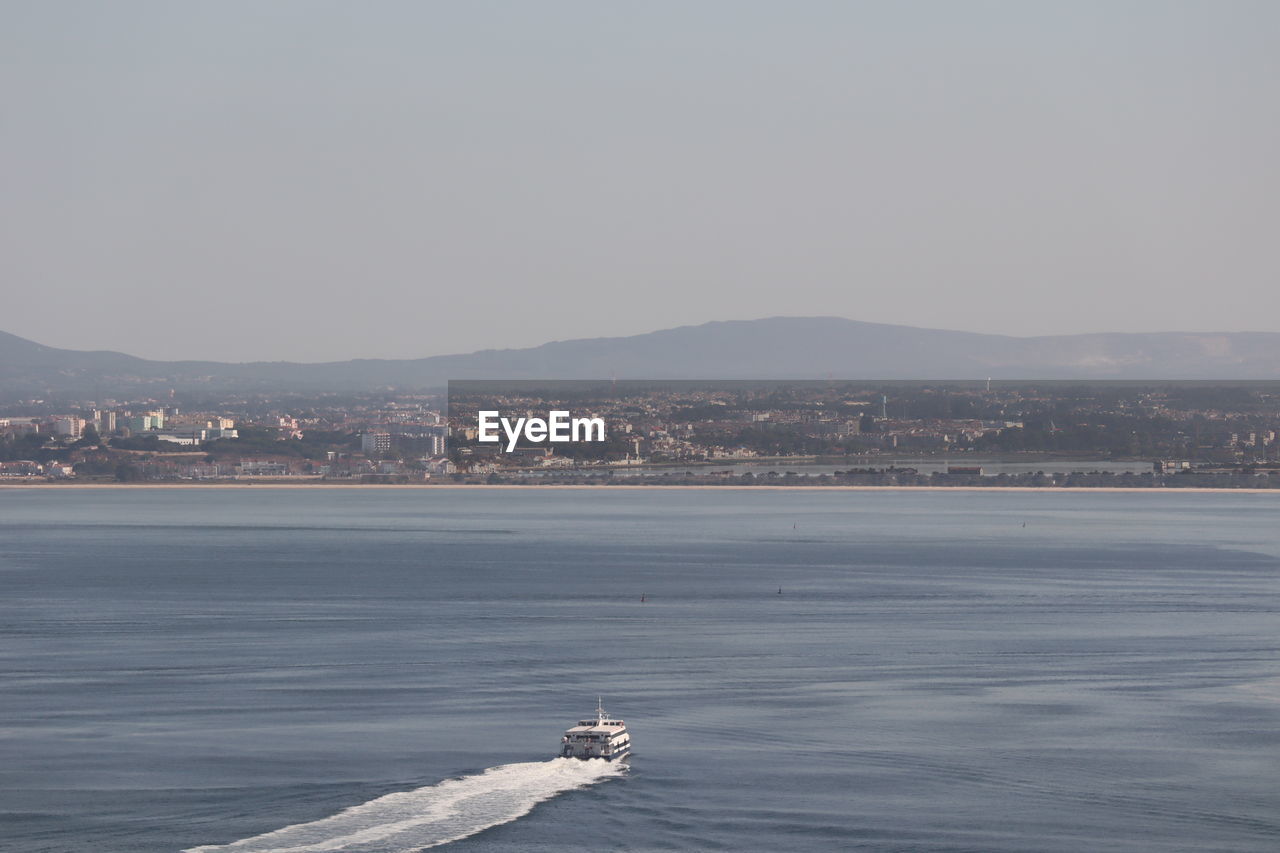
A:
598	737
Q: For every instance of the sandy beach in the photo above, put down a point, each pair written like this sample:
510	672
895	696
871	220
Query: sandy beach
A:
12	487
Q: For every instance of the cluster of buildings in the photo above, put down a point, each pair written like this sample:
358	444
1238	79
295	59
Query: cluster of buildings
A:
709	426
28	468
163	442
165	425
404	437
790	420
382	440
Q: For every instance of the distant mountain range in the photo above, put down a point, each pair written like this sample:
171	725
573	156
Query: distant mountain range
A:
774	348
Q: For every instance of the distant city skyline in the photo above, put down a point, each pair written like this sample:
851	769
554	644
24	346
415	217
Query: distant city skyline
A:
319	181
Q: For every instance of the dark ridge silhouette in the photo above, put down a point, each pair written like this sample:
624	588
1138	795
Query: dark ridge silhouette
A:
774	348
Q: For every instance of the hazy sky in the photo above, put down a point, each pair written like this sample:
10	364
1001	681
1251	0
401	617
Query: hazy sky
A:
314	180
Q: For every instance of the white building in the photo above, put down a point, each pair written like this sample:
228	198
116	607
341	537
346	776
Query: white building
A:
190	439
69	427
141	423
262	468
439	465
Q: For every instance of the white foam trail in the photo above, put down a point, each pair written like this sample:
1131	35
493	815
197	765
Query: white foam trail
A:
428	817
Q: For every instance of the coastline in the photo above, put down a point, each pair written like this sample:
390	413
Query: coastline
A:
13	487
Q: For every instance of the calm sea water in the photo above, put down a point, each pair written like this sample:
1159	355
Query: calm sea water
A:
381	670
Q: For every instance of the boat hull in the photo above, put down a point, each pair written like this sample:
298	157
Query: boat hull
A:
622	756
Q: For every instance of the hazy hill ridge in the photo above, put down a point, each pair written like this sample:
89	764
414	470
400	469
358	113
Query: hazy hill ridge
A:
779	347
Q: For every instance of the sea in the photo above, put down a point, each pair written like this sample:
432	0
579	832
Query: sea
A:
390	670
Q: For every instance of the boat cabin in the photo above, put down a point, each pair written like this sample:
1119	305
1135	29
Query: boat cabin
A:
602	737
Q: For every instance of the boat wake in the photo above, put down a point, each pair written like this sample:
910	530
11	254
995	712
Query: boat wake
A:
428	817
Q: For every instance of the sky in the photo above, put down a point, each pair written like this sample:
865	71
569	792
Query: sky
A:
316	181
